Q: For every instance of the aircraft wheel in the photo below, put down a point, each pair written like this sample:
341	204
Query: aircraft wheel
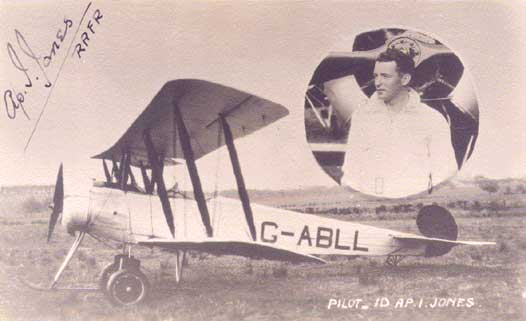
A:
127	287
105	275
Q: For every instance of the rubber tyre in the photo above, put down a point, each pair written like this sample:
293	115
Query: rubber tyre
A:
127	287
105	275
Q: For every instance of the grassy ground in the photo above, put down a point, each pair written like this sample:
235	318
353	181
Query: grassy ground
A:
234	288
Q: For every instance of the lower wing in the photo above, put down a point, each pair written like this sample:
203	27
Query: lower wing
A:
247	249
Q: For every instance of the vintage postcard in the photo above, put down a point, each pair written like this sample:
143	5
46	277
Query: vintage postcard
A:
262	160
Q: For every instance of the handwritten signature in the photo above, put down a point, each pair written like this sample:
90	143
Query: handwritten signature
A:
25	59
15	100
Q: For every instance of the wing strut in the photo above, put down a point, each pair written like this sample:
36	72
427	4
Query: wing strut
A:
148	185
132	177
125	170
115	169
120	174
157	177
241	188
106	171
186	146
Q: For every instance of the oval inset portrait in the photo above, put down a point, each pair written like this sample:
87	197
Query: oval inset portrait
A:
393	116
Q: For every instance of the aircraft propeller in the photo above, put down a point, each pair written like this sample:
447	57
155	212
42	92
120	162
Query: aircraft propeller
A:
58	202
58	208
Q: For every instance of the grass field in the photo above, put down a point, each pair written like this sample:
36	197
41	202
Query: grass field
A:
234	288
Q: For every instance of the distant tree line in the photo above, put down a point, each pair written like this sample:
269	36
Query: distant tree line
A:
383	209
493	186
27	189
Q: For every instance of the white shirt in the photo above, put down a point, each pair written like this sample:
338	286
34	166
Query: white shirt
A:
397	154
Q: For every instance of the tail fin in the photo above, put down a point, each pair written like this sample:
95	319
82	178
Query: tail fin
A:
439	231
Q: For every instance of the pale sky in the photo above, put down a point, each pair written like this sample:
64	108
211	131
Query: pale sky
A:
265	48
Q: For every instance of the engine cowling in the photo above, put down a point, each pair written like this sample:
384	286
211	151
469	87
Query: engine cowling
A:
437	222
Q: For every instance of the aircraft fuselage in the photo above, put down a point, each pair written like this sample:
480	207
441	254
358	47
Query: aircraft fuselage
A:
134	217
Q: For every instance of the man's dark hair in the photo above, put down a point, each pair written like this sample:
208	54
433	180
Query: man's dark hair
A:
404	63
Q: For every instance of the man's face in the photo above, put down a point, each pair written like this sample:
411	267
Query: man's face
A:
388	81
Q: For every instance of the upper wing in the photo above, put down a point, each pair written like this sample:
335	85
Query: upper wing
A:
247	249
200	103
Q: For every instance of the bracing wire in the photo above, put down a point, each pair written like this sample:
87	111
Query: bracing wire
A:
174	146
180	173
216	182
151	212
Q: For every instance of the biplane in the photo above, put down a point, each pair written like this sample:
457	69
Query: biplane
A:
185	121
345	78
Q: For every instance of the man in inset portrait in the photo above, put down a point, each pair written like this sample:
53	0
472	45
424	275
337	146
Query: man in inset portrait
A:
397	146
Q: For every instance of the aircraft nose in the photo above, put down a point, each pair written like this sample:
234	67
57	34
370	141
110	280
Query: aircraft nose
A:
75	215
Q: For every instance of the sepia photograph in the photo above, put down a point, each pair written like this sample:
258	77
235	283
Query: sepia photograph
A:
260	160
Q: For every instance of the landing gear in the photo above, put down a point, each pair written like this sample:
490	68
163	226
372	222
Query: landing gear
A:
123	282
106	273
179	264
127	287
394	260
